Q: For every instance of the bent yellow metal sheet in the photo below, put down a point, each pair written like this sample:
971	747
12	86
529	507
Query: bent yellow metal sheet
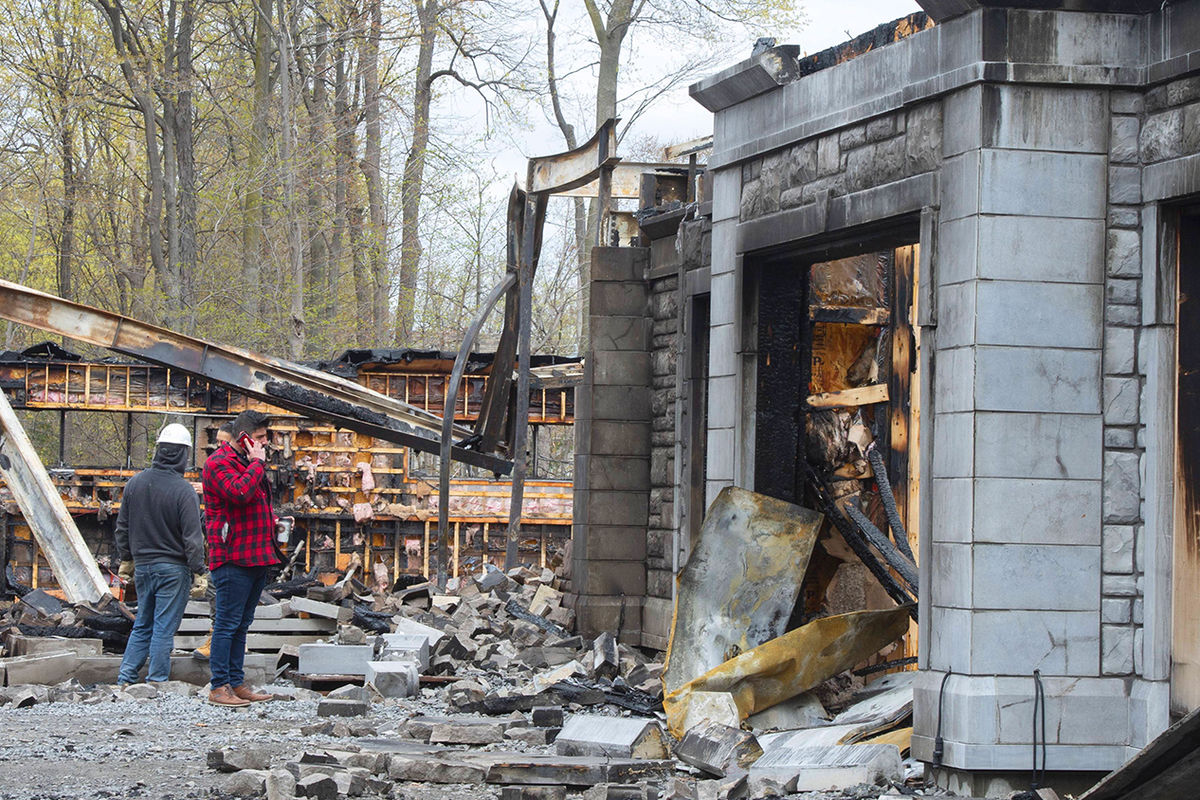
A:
740	584
793	663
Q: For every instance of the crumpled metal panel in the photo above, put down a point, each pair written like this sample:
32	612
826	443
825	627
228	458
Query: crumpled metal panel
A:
741	582
793	663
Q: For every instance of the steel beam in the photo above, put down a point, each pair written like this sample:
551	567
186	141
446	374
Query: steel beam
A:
54	529
281	383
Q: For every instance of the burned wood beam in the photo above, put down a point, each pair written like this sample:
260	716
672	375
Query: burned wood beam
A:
849	315
858	396
46	514
855	539
889	504
906	569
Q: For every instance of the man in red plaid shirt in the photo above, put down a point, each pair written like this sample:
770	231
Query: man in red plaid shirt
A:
239	525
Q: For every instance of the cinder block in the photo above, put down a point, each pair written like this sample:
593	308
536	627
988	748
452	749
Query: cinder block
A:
393	678
335	659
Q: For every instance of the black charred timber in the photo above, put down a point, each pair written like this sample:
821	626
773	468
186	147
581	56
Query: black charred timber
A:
889	504
374	621
626	697
906	569
292	588
113	641
884	666
519	611
857	542
873	39
784	362
331	405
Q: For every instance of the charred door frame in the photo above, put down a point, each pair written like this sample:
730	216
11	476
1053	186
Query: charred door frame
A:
780	276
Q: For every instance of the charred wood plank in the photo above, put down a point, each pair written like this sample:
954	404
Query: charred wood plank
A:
858	396
906	569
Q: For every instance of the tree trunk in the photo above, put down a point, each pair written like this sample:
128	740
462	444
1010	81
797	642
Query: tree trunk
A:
295	241
414	175
320	287
185	155
253	210
343	153
377	239
362	279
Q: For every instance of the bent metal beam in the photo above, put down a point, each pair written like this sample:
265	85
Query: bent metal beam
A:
275	381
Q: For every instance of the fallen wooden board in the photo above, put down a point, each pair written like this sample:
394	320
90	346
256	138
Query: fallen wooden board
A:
848	398
793	663
727	604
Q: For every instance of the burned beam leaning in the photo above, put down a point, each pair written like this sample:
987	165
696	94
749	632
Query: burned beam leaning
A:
73	564
275	381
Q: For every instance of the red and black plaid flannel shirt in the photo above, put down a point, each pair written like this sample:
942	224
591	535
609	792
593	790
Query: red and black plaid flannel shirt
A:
237	493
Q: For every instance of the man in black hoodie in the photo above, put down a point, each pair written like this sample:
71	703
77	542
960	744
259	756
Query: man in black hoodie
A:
158	528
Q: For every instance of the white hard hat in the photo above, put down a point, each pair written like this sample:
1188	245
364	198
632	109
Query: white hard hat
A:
174	434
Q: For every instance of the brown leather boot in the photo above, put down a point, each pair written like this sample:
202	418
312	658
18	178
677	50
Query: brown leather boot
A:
244	692
224	696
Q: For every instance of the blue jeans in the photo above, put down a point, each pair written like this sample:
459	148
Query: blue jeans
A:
162	597
237	592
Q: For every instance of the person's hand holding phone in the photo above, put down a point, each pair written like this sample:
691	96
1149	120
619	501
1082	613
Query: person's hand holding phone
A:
253	448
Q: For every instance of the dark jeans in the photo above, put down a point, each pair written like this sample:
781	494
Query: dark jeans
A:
237	592
162	597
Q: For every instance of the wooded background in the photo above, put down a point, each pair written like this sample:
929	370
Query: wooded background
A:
302	176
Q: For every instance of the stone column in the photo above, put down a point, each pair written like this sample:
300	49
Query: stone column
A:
1018	467
612	449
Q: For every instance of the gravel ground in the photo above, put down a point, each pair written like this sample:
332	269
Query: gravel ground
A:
103	744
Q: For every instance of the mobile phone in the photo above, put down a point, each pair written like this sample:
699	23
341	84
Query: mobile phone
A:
245	440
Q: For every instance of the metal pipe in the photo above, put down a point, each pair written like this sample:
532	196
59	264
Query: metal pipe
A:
456	374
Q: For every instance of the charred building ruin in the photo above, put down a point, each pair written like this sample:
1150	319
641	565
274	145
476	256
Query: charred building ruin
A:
969	238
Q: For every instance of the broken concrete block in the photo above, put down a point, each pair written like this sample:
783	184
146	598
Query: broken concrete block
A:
716	748
247	783
317	608
466	732
24	696
491	578
822	768
445	602
439	768
547	716
700	707
142	691
802	711
45	669
393	678
341	708
407	645
349	691
458	647
524	769
606	661
533	793
318	787
620	791
19	645
280	785
406	625
532	736
545	680
335	659
462	694
235	759
42	601
351	634
614	737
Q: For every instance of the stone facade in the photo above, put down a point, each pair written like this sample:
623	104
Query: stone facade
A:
1031	154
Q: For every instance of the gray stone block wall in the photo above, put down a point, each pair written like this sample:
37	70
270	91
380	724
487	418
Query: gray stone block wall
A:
664	356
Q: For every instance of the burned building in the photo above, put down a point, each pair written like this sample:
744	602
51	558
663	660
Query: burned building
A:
969	240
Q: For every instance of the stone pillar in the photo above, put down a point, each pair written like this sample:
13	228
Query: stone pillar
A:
1019	467
612	448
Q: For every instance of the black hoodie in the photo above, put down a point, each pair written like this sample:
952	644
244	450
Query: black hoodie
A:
159	520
